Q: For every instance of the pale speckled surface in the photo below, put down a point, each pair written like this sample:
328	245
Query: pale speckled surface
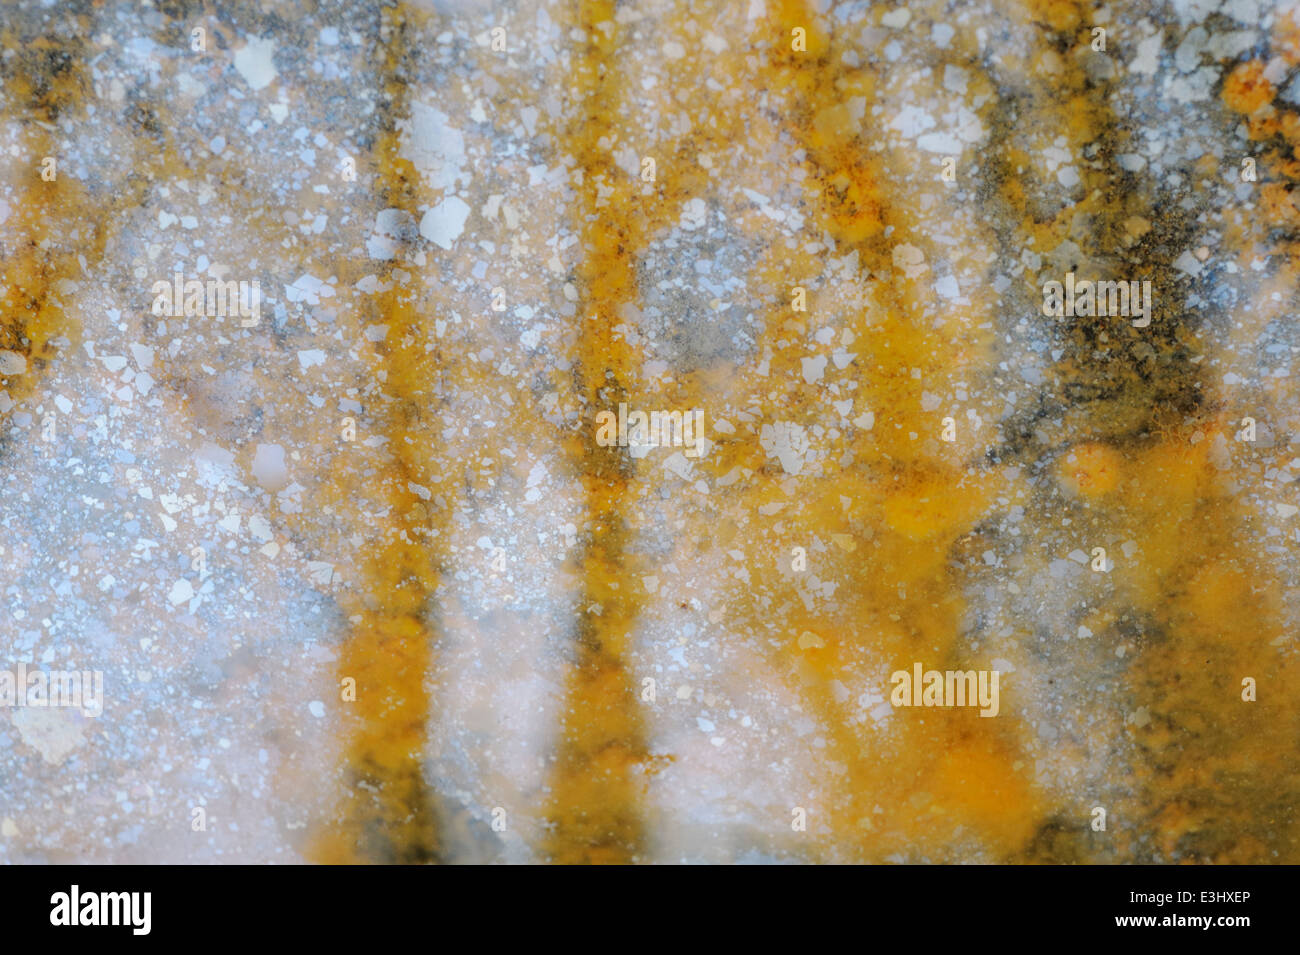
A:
499	586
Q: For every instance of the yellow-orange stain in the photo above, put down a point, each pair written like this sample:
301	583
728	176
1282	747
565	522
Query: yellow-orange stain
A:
47	228
897	509
389	813
597	781
1089	469
1246	90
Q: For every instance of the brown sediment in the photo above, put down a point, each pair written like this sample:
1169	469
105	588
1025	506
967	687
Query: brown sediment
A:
1217	775
1220	778
390	814
1210	778
1112	387
1115	381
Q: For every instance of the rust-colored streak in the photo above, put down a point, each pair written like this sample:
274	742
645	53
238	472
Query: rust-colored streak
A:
942	776
597	782
389	815
46	229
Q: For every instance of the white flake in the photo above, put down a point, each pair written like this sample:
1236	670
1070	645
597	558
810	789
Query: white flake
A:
434	147
268	467
254	62
786	441
444	223
182	591
814	369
